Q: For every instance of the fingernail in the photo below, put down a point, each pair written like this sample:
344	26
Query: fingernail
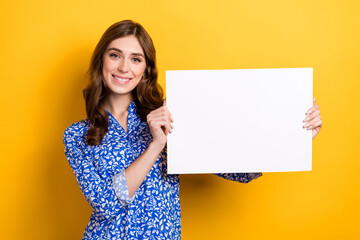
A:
171	125
172	119
306	119
310	111
306	125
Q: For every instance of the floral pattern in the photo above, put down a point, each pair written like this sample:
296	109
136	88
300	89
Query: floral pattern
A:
154	210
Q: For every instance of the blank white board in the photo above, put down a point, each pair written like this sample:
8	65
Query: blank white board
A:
243	120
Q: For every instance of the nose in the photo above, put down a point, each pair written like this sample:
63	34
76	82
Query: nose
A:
123	66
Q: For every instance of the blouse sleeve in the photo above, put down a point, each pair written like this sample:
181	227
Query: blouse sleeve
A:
99	192
121	189
239	177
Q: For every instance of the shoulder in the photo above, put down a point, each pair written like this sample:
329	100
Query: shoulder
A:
76	131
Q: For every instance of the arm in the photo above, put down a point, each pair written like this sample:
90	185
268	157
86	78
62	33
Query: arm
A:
98	192
109	196
160	125
239	177
138	170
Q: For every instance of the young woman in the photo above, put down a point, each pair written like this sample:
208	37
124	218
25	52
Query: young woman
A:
118	153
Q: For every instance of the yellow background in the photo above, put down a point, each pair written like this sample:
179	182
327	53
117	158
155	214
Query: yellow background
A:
45	51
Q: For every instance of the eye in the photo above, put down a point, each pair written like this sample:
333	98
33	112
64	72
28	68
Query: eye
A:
137	59
114	55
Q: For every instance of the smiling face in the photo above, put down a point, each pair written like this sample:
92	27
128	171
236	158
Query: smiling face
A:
123	65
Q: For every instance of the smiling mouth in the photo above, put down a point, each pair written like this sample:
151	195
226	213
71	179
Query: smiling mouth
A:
122	80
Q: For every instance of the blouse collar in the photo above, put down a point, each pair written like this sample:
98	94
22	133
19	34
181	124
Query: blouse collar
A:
133	120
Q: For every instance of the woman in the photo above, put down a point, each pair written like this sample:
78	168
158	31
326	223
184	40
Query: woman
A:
118	153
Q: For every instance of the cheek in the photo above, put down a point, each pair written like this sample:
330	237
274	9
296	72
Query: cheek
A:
140	71
107	66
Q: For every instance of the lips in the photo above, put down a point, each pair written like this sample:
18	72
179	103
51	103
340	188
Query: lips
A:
121	79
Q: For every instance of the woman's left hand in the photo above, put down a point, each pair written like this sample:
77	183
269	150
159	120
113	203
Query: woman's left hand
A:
313	119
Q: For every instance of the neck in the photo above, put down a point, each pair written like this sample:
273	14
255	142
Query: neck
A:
118	104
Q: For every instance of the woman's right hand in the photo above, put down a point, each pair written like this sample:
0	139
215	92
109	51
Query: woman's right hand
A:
160	123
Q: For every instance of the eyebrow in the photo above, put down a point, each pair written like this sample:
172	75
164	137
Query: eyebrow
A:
118	50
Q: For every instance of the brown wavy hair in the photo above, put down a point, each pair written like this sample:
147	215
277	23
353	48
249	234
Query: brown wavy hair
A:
148	94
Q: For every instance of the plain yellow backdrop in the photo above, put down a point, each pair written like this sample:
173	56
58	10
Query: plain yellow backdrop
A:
45	51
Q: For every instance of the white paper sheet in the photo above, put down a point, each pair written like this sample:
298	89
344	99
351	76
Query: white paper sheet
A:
245	120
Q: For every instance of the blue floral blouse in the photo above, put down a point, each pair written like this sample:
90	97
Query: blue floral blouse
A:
154	210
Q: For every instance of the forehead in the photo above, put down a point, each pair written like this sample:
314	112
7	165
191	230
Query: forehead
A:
127	44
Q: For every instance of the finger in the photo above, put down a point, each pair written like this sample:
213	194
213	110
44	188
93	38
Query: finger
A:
312	109
164	130
312	116
315	132
158	110
168	127
317	125
162	117
164	113
171	117
156	124
311	123
164	125
314	101
167	124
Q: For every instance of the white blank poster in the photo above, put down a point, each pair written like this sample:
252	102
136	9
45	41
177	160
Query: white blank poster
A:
246	120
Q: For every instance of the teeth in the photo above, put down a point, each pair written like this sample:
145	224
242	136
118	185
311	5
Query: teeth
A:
121	79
